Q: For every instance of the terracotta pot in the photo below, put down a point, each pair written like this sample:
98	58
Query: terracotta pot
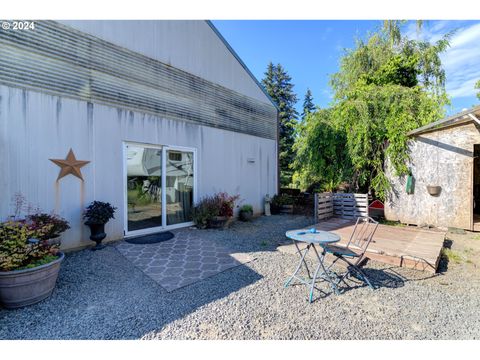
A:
19	288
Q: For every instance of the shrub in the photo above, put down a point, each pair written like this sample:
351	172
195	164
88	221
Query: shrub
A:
209	207
21	247
99	212
278	201
246	208
42	220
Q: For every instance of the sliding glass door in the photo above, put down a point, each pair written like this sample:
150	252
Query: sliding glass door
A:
144	187
179	186
149	170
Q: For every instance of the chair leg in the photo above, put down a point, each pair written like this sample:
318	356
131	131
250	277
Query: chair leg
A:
358	271
364	276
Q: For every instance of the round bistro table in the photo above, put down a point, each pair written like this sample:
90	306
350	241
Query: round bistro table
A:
312	239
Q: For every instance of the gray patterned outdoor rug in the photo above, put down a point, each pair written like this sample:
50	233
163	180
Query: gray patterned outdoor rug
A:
187	258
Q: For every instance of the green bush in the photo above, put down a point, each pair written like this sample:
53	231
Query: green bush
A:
246	208
21	247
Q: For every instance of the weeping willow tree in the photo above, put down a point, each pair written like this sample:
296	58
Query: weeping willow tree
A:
385	87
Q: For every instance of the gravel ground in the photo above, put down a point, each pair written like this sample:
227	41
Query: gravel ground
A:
100	295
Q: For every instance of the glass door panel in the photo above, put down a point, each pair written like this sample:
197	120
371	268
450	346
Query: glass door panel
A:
144	187
179	186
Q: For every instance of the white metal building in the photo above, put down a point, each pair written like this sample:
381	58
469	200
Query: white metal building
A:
164	111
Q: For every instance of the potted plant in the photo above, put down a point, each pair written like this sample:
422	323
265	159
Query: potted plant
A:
57	226
214	211
97	214
279	202
29	264
246	212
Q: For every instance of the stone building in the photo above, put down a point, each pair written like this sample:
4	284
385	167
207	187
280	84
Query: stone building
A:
445	175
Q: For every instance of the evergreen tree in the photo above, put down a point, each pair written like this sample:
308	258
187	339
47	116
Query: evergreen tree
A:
278	85
308	106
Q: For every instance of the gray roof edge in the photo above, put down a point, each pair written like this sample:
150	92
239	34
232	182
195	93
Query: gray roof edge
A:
448	121
245	67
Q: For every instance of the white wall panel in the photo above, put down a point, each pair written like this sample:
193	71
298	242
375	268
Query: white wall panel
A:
35	127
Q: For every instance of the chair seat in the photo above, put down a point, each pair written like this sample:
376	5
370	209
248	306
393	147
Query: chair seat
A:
338	250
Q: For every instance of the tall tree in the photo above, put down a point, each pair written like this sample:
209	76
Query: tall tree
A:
382	90
278	85
308	106
477	86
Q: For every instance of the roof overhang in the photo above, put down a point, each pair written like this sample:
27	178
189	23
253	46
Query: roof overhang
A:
461	118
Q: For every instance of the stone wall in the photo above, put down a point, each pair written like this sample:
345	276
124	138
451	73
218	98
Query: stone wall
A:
444	158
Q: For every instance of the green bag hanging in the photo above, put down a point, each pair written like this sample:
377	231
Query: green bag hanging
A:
409	187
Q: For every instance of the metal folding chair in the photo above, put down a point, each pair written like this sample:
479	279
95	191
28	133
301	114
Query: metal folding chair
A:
354	252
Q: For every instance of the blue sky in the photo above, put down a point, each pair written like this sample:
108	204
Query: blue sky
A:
310	51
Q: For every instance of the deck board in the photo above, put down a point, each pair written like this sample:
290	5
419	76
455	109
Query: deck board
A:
402	246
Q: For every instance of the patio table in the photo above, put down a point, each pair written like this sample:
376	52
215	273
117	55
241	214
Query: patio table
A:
312	237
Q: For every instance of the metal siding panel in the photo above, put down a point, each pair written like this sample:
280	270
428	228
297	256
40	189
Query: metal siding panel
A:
57	59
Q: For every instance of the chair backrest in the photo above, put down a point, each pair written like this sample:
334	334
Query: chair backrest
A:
363	232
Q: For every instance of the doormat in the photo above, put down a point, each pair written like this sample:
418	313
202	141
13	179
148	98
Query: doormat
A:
151	239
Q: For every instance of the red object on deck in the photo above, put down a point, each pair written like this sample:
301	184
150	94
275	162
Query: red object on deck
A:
377	204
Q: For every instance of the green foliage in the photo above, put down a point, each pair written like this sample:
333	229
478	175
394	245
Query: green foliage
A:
246	208
20	247
99	212
308	106
43	261
209	207
321	153
452	255
477	86
278	85
385	87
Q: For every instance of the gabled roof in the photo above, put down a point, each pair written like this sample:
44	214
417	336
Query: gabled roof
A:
461	118
245	67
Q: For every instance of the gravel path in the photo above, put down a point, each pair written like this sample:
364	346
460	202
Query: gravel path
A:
100	295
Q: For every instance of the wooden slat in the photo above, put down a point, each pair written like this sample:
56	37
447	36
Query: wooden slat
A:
401	246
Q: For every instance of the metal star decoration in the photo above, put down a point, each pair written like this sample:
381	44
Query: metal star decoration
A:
70	165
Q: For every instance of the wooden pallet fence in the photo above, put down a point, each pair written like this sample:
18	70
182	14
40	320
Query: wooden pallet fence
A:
323	205
344	205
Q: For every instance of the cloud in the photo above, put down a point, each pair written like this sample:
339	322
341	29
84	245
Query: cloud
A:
461	60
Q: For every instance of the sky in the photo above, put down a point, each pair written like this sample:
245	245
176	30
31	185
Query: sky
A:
310	51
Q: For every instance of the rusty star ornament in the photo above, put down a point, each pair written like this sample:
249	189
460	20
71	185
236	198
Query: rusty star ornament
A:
70	165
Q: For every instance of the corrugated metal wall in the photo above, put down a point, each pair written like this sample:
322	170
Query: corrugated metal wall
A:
62	61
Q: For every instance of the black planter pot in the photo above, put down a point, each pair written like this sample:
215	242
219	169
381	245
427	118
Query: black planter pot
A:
246	215
97	234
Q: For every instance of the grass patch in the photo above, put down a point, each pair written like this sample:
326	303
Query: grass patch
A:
476	237
452	256
391	223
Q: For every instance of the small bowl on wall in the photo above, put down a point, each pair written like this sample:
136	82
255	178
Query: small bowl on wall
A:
434	190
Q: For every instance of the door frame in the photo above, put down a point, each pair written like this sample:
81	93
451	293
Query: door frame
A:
164	149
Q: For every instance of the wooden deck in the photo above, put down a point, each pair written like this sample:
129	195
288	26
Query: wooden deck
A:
402	246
